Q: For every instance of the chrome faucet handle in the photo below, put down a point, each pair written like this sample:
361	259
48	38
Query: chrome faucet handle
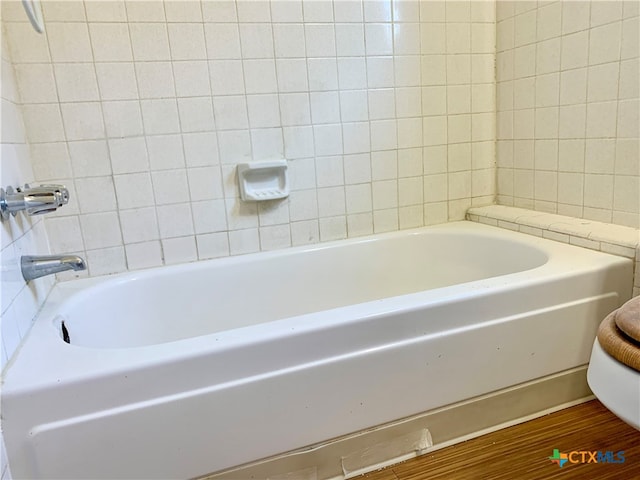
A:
35	201
45	198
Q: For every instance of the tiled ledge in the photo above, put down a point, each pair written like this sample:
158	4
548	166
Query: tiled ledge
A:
604	237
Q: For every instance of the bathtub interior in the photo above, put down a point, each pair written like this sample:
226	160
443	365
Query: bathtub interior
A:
170	304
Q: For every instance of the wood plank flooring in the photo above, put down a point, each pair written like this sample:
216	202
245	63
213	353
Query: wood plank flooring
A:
521	452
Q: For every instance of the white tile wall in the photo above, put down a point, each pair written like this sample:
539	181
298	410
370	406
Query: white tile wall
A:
567	108
20	235
147	107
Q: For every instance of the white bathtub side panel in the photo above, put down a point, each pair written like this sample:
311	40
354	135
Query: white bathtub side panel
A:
208	430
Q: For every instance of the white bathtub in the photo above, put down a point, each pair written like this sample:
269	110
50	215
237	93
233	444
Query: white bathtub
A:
180	371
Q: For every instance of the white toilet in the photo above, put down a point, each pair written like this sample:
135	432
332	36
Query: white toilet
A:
614	369
616	385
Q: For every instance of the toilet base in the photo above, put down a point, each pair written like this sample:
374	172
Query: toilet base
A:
615	385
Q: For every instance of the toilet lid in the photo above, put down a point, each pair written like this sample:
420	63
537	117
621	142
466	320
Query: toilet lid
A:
617	344
628	318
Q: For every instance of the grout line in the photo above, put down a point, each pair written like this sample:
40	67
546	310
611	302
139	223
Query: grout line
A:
342	123
215	132
144	136
369	121
64	130
394	55
586	101
615	140
276	94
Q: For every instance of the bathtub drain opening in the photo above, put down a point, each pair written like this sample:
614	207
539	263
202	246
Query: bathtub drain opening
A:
65	333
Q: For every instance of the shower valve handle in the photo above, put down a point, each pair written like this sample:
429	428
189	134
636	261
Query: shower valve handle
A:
34	200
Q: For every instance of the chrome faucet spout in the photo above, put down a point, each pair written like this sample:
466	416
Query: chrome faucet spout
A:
38	266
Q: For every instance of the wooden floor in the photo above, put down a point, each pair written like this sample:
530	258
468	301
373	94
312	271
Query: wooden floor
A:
521	452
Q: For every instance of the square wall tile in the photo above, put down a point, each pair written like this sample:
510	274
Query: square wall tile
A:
187	41
175	220
227	77
149	41
139	225
205	183
604	43
331	201
122	119
222	41
191	78
110	42
95	194
349	39
628	119
303	205
212	245
170	186
128	155
256	40
385	220
183	11
117	81
598	191
209	216
196	114
43	123
155	79
105	11
64	234
143	255
89	158
101	230
314	11
253	11
329	171
106	261
179	250
333	228
134	190
83	121
142	11
165	152
160	116
69	42
322	73
575	16
36	82
25	47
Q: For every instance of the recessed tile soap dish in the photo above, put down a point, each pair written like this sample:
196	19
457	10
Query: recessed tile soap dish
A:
263	180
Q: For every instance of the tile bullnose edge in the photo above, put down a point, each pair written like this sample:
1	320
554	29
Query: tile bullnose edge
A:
591	234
